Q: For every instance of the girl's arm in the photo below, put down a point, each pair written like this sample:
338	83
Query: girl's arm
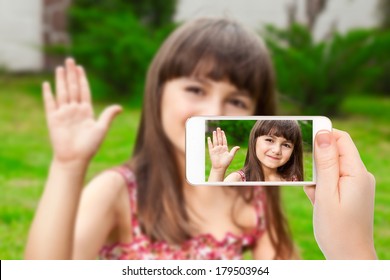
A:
51	233
104	206
343	199
219	155
75	137
264	249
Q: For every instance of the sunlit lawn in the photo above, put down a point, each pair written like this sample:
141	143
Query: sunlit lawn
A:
25	155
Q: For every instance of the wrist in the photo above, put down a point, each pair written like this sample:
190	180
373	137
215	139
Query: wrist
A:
219	171
217	175
71	165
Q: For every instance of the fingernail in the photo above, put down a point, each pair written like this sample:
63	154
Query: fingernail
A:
323	138
70	60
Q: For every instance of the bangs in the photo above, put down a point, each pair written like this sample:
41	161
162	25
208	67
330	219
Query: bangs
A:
221	50
287	129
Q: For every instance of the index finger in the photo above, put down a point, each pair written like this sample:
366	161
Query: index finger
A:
84	85
61	90
224	140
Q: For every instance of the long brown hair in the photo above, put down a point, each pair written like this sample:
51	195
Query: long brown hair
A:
288	129
217	49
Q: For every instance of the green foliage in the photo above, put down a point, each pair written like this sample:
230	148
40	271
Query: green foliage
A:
307	134
153	13
316	76
116	40
236	131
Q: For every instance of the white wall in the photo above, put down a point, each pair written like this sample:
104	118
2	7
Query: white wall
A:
21	34
345	13
21	24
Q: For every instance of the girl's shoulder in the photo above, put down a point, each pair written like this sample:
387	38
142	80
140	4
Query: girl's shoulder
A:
125	173
236	176
113	181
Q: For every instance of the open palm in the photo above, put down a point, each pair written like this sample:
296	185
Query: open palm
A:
219	152
75	134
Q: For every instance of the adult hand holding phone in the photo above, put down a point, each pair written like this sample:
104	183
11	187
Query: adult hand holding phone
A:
343	198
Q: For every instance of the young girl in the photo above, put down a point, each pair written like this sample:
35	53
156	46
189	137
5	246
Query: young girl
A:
144	209
274	153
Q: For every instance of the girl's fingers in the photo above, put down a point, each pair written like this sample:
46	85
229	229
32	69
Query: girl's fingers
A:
219	136
85	92
210	144
48	100
224	140
108	115
72	80
61	90
234	151
215	141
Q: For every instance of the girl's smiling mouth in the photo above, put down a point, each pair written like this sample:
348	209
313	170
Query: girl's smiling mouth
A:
274	158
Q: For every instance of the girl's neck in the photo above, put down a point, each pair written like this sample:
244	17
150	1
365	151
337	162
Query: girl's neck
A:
270	174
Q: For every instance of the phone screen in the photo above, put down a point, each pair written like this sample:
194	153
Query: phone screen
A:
252	151
283	146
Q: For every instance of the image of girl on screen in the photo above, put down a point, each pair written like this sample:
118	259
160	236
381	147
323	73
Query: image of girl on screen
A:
274	153
144	208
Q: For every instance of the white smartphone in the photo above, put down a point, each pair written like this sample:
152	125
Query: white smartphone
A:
273	150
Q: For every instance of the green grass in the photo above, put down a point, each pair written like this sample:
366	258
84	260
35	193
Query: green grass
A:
25	154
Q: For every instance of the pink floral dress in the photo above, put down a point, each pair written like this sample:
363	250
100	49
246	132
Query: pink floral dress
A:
201	247
243	177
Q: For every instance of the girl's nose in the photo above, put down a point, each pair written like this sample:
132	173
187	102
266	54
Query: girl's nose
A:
212	108
276	149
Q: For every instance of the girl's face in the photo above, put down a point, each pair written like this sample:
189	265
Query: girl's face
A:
185	97
273	151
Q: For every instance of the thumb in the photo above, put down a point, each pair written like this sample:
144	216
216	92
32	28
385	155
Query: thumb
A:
326	159
234	150
108	115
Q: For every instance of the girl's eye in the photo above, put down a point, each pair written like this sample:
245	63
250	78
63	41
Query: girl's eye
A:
238	103
287	146
195	90
268	140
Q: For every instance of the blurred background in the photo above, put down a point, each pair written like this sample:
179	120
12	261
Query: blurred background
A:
331	58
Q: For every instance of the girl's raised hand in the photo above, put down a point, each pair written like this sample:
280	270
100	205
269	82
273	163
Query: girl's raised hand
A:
343	199
75	134
219	152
